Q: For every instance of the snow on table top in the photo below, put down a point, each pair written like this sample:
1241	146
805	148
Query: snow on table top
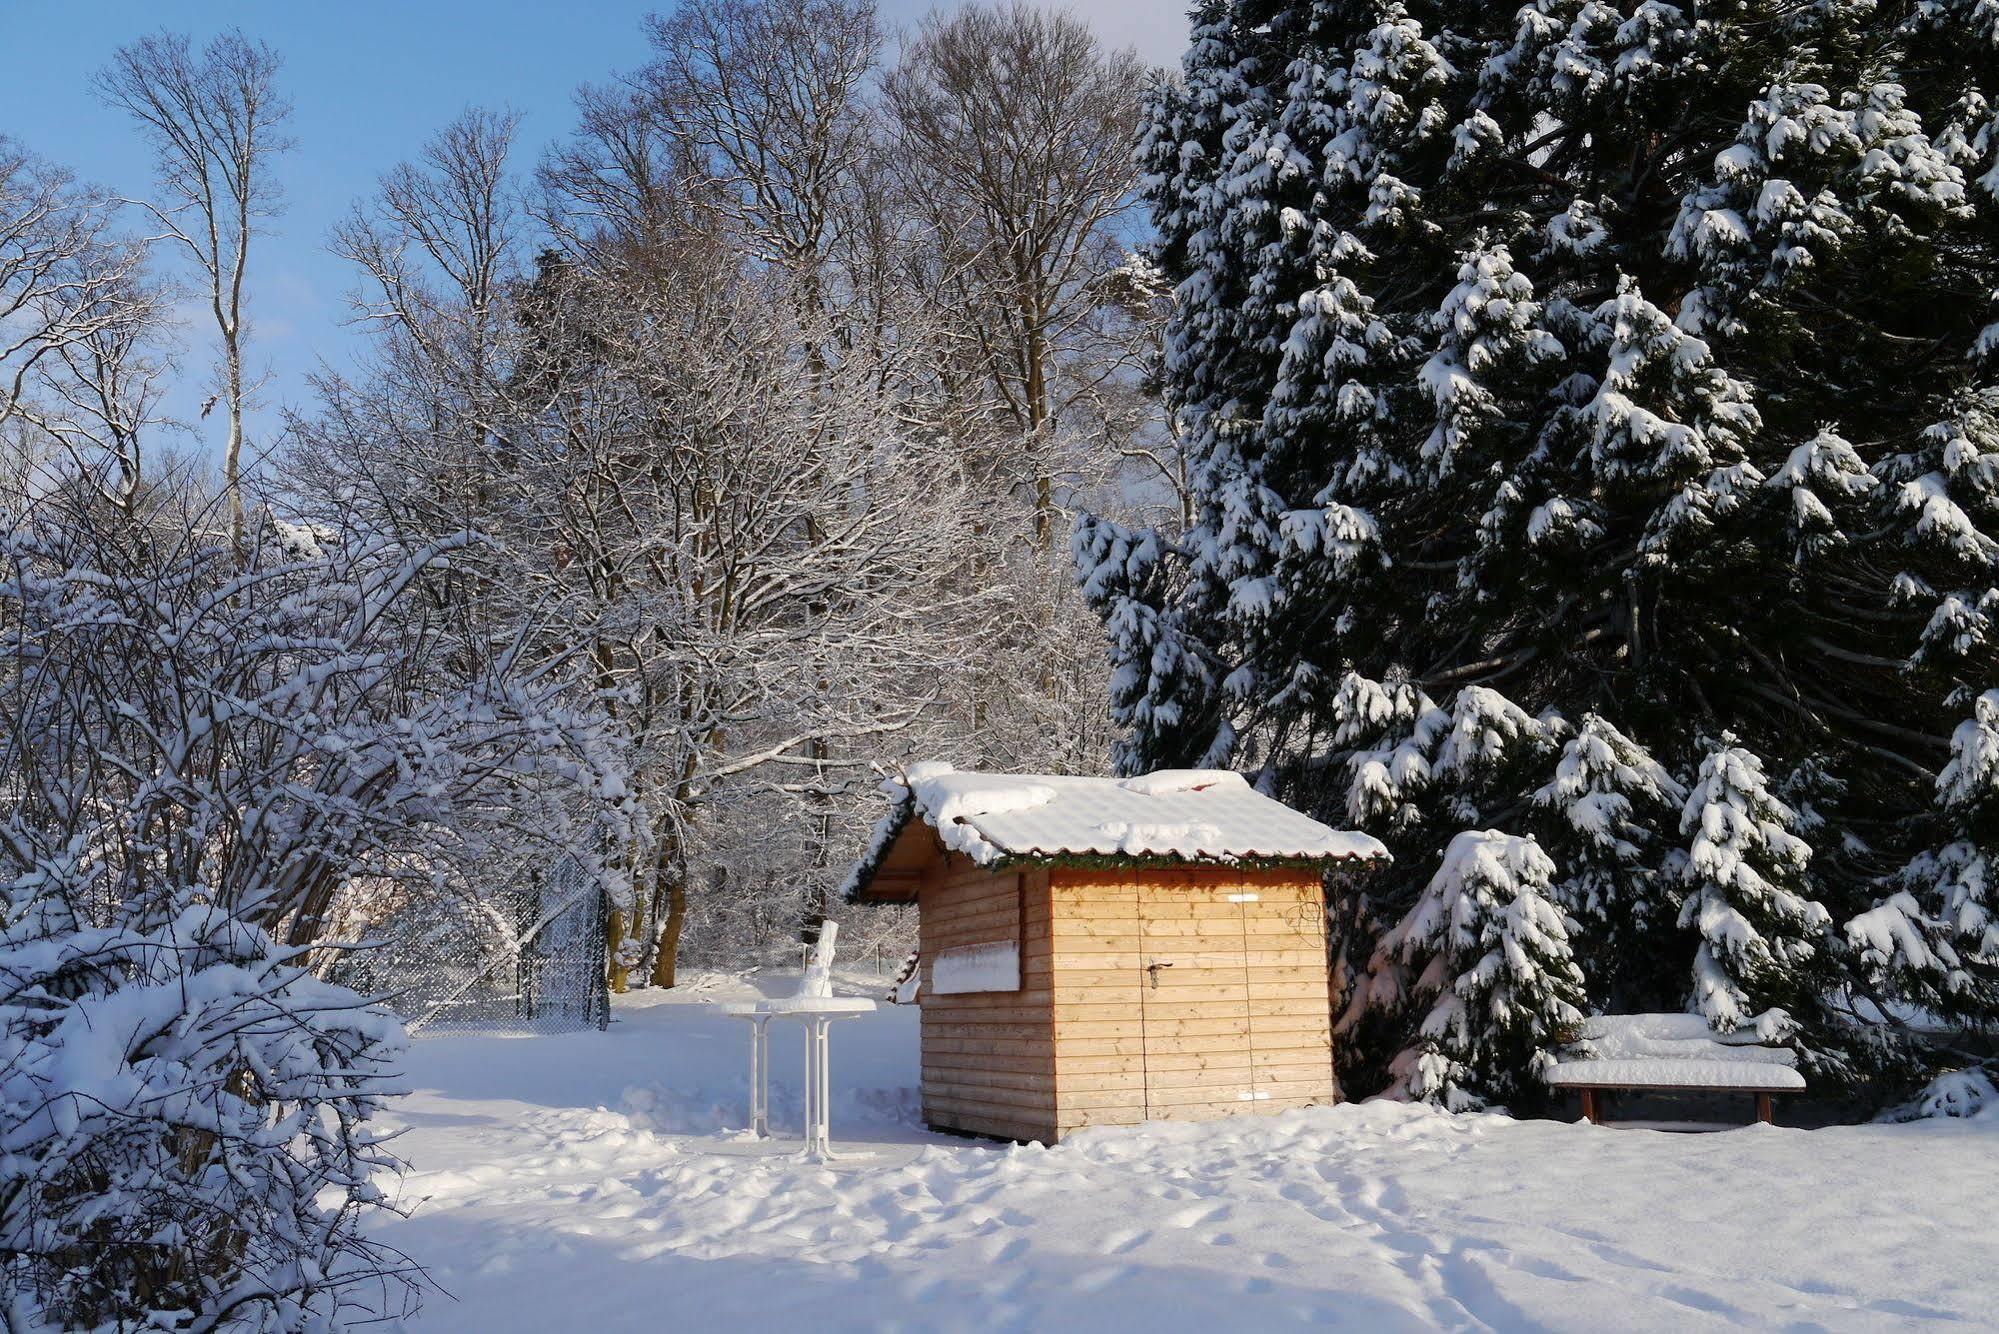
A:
1673	1051
1675	1073
1183	814
799	1005
1667	1027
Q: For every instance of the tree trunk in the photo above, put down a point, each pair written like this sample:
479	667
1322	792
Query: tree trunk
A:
232	449
615	947
666	958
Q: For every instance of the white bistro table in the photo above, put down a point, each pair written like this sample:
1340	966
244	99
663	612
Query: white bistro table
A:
817	1014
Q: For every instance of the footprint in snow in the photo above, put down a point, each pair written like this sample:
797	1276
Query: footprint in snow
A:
1699	1301
1096	1280
1199	1214
1625	1259
1001	1252
1124	1239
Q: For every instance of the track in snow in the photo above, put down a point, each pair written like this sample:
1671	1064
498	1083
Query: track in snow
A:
594	1182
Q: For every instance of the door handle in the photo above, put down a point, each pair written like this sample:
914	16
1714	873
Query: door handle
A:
1153	970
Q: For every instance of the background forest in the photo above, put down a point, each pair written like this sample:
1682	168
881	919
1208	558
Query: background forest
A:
746	423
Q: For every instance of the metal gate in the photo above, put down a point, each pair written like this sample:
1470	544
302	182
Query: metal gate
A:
529	958
564	986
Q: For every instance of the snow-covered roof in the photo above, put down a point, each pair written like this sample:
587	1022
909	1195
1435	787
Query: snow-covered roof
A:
1183	815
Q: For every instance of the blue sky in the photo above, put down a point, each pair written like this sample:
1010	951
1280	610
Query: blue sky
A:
369	81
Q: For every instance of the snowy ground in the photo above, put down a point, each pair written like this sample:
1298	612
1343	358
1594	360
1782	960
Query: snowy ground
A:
594	1182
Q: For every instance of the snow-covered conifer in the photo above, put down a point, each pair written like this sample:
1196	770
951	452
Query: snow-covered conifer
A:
1490	954
1611	811
1732	275
1762	956
1934	939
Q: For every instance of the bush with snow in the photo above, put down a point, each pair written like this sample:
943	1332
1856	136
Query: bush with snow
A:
185	1122
1960	1093
218	761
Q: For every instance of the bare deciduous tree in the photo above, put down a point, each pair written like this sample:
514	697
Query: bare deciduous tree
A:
768	101
80	322
731	428
214	119
1015	128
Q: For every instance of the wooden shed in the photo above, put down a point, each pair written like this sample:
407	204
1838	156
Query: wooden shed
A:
1101	951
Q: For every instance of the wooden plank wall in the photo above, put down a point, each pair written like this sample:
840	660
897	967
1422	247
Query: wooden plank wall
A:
1290	992
1245	1008
988	1057
1099	1029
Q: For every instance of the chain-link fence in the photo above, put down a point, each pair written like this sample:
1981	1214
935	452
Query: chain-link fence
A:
528	958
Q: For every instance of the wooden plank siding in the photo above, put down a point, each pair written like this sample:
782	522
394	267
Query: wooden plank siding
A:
1240	1022
988	1057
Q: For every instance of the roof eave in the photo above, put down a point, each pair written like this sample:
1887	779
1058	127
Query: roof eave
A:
863	879
1246	861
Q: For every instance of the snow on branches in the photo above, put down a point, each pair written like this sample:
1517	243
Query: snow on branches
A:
1760	936
1491	955
1609	811
1645	377
217	759
185	1120
1935	939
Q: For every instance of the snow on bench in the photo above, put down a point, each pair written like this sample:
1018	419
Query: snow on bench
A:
1673	1053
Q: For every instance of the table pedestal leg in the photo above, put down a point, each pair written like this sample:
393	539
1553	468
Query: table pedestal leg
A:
818	1090
760	1077
811	1087
823	1041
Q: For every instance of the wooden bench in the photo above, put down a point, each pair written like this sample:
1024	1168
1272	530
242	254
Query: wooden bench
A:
1672	1053
1593	1099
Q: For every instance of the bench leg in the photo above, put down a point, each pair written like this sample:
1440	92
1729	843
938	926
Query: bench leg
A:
1763	1109
1592	1112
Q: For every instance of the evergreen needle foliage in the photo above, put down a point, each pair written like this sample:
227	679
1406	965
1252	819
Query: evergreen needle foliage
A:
1594	418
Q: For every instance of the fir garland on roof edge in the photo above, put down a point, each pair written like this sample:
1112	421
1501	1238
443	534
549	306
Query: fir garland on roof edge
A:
1594	420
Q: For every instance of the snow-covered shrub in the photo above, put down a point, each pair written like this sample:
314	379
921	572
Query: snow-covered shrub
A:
279	728
205	749
1491	953
184	1122
1959	1093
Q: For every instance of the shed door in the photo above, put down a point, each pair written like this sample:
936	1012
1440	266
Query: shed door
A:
1194	996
